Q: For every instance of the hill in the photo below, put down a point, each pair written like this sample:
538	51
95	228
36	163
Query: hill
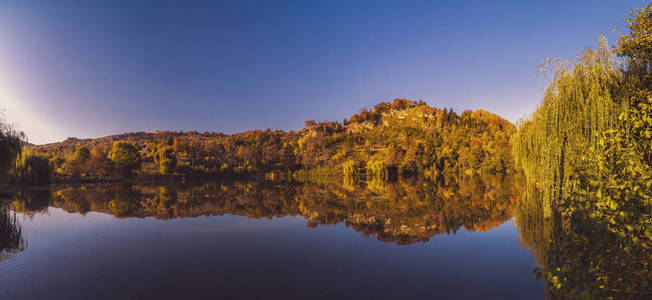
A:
399	137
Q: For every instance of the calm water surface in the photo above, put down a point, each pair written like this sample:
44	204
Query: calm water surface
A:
258	240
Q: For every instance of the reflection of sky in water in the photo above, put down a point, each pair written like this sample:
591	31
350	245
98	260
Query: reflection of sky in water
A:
98	256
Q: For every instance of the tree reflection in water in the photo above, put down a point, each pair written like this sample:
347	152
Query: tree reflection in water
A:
579	256
11	234
404	211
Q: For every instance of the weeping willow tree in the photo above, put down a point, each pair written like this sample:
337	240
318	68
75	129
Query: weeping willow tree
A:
31	168
588	152
578	105
10	147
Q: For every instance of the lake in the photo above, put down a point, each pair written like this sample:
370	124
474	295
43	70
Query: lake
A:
253	239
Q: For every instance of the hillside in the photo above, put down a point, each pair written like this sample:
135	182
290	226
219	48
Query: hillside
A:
401	137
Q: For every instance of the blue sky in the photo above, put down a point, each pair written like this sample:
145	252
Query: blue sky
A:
94	68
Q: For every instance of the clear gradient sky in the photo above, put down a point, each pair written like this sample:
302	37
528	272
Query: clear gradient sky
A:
94	68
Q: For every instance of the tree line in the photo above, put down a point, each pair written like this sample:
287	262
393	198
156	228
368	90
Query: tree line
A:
394	138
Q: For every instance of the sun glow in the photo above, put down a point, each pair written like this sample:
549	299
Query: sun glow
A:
25	120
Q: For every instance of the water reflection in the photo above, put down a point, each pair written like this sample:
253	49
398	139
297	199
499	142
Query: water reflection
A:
579	256
589	261
148	241
406	211
11	234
